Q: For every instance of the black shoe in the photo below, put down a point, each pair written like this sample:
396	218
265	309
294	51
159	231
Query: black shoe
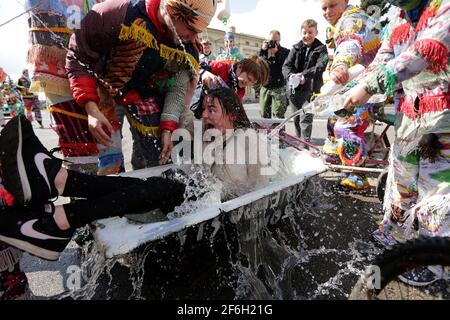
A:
419	277
28	169
34	231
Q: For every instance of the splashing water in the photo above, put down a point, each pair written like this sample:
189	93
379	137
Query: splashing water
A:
202	191
262	251
324	106
289	245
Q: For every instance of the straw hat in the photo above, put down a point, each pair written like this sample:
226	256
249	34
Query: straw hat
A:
195	13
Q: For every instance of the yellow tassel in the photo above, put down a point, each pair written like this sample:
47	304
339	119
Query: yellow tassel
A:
106	172
144	130
435	4
57	30
67	113
343	59
180	56
355	9
138	33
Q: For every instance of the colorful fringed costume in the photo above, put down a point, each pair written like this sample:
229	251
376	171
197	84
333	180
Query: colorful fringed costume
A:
51	24
30	100
416	55
116	39
141	67
356	37
230	56
11	98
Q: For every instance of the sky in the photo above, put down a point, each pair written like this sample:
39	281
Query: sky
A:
256	17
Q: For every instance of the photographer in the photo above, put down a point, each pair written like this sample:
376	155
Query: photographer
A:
272	95
307	61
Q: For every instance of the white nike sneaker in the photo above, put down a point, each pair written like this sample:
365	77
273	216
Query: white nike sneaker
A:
34	231
28	169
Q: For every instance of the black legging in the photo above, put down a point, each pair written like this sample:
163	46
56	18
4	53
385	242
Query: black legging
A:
116	196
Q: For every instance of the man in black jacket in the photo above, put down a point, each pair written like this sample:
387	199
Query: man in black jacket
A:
307	61
272	95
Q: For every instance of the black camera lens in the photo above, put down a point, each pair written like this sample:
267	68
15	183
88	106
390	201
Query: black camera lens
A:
272	44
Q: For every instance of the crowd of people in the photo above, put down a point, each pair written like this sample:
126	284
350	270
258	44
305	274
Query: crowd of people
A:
16	98
143	61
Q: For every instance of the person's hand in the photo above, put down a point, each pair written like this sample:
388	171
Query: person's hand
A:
302	77
274	50
340	75
356	96
265	45
99	126
167	146
209	80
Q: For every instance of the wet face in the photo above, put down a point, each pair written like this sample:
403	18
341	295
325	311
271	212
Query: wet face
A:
245	79
332	10
308	35
214	116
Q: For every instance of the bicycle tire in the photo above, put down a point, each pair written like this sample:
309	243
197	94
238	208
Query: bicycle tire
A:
381	185
401	258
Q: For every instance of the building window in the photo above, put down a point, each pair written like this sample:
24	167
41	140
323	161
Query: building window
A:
247	43
257	44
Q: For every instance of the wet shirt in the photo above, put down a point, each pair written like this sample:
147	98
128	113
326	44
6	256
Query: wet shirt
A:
238	172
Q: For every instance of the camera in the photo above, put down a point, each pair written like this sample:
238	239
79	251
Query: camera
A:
272	44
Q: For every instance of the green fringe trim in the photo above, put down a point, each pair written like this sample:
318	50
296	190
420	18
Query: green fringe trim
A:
390	80
412	158
443	176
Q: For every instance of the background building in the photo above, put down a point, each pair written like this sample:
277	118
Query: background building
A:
247	44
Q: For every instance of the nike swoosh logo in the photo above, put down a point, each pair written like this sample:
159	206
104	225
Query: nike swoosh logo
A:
28	230
39	161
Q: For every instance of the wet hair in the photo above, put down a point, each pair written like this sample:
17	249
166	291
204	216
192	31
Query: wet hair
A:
256	67
231	105
310	23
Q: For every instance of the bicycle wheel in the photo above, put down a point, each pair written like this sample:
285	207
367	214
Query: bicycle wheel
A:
380	280
381	185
